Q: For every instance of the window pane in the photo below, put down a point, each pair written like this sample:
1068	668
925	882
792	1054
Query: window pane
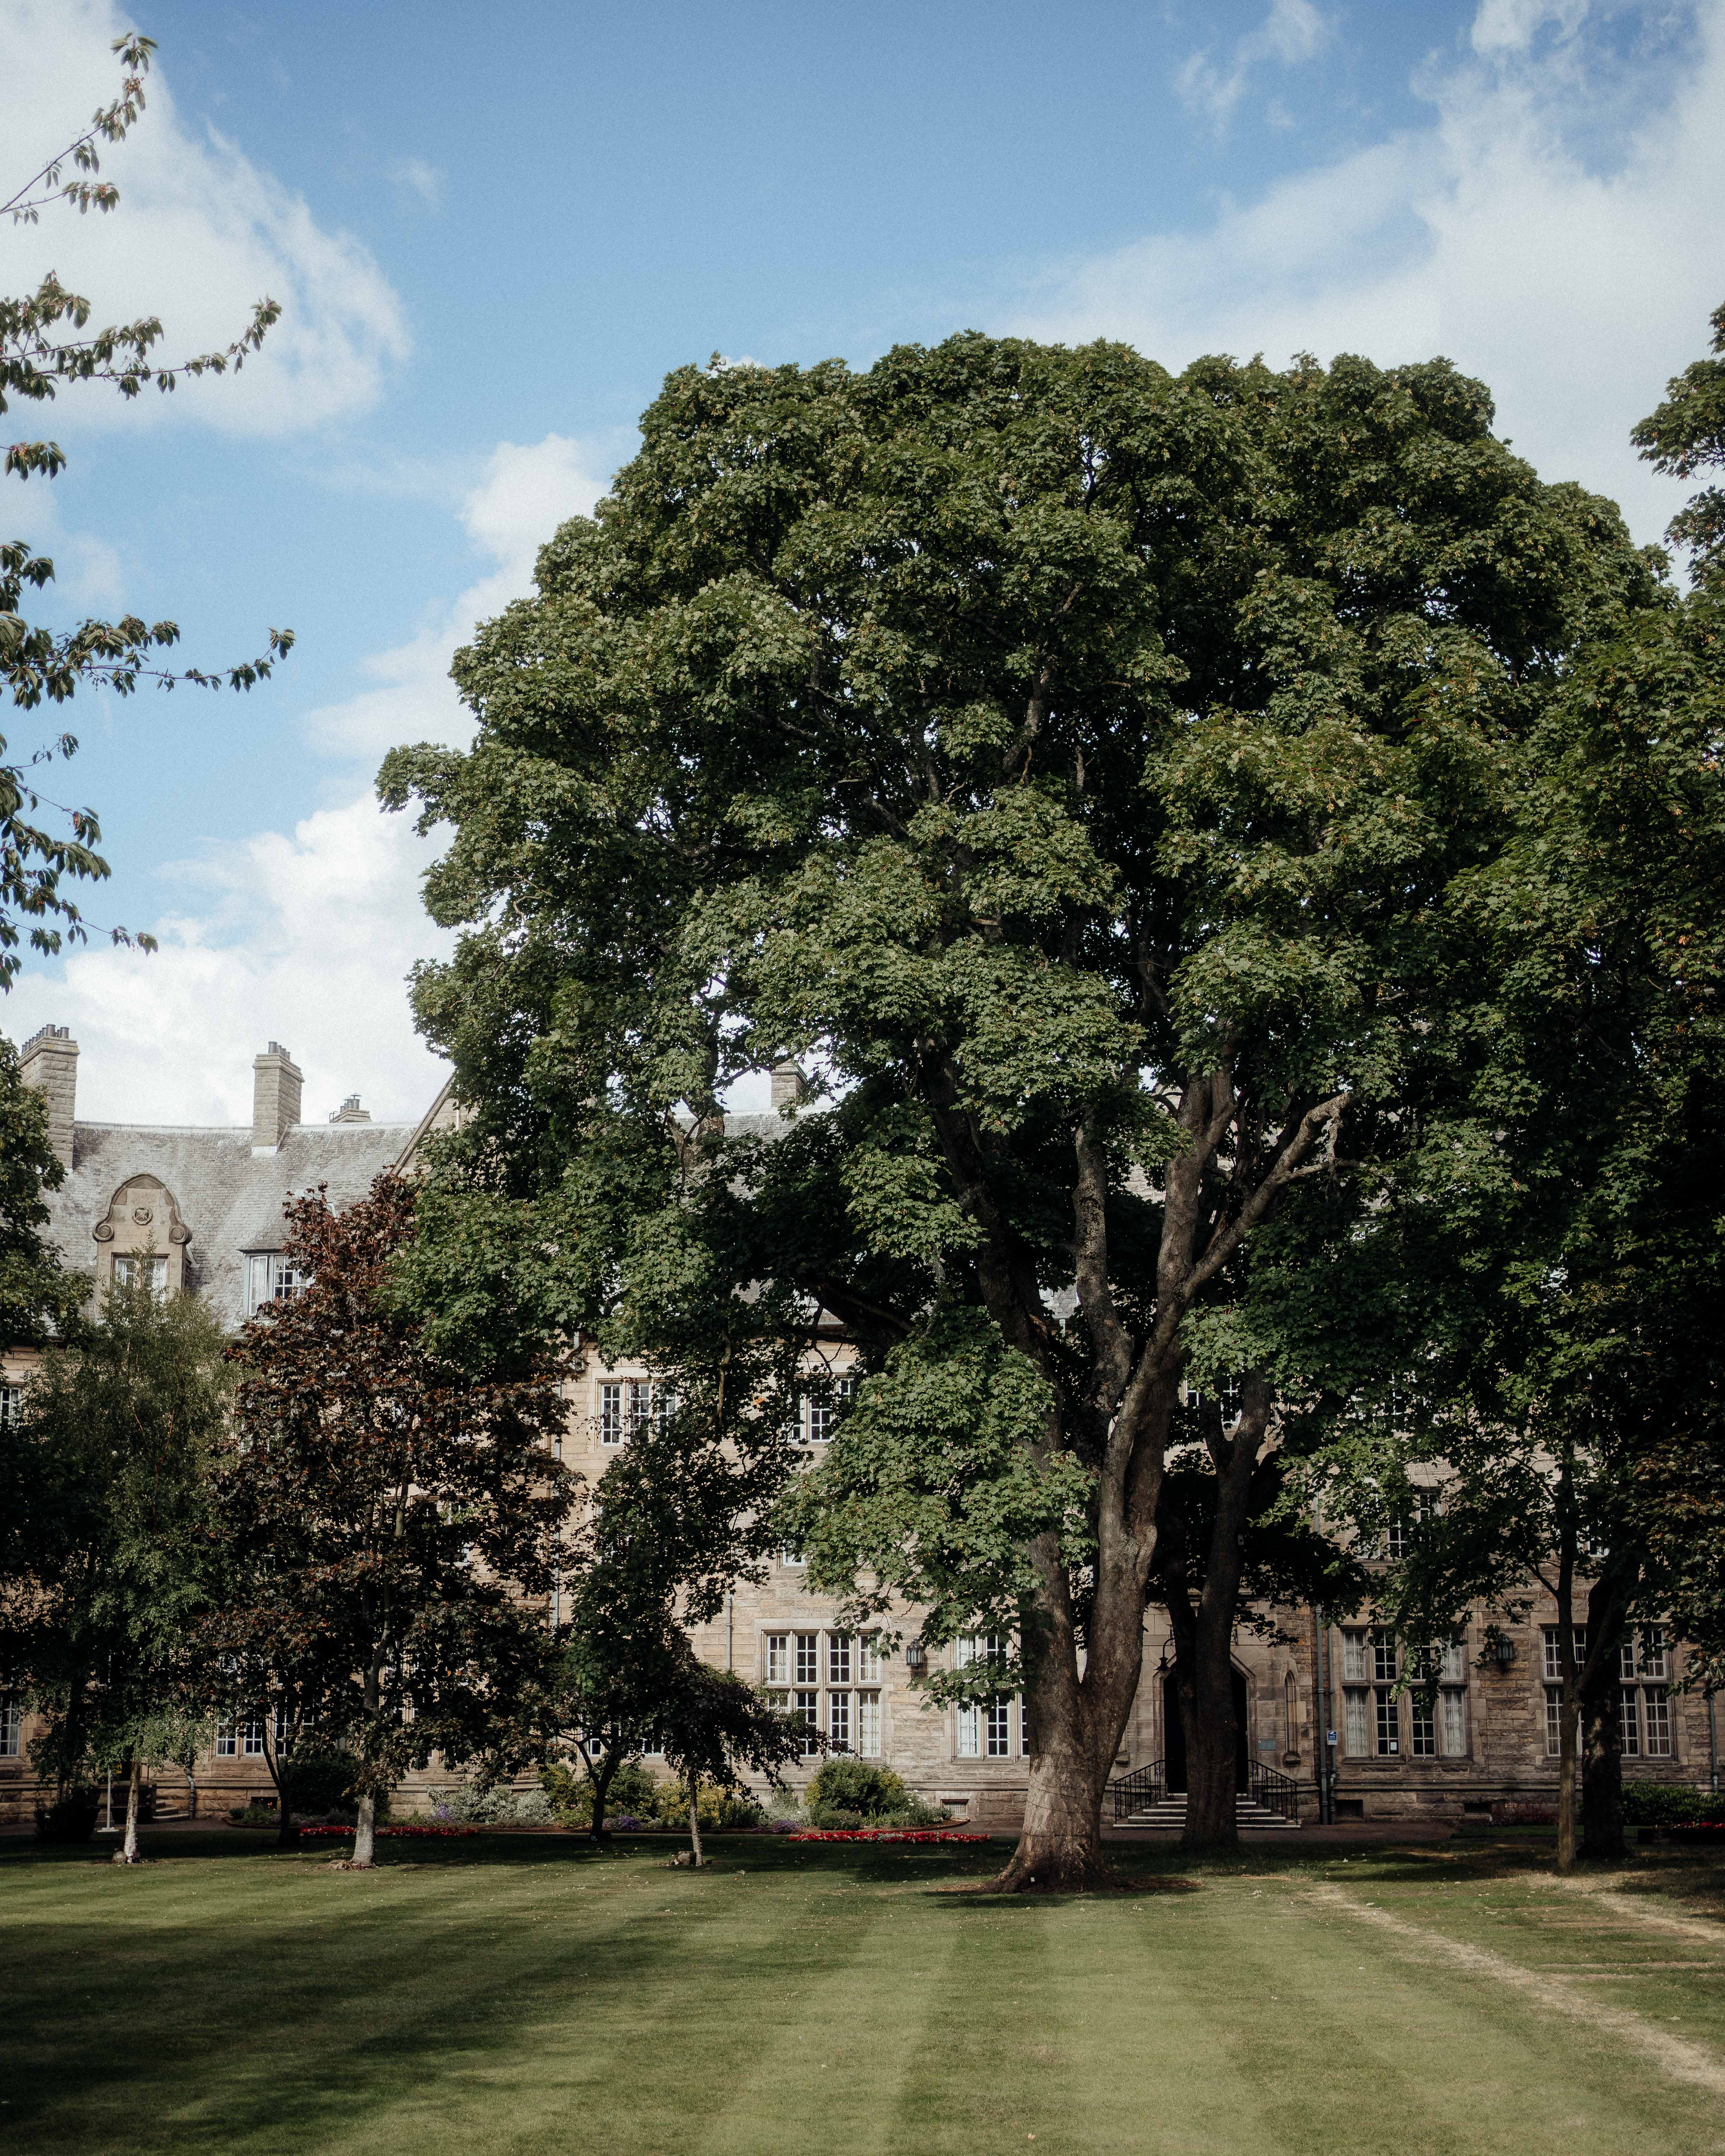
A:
12	1727
868	1724
868	1658
1383	1667
806	1708
1628	1720
224	1739
1389	1724
969	1732
778	1658
1353	1656
1355	1724
1653	1653
807	1658
1455	1669
838	1720
611	1414
839	1658
999	1713
1656	1711
1423	1730
1626	1659
1553	1720
1453	1722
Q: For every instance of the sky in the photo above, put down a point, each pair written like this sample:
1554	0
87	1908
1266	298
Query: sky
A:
493	232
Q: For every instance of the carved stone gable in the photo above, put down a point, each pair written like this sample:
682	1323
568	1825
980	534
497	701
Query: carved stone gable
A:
143	1218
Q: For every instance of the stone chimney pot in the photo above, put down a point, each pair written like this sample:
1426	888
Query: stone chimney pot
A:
787	1084
48	1061
276	1084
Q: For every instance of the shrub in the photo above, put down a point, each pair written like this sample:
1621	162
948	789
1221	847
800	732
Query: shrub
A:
70	1818
471	1803
318	1780
634	1791
1669	1804
718	1809
848	1793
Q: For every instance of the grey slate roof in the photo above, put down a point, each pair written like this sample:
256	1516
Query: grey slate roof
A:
230	1199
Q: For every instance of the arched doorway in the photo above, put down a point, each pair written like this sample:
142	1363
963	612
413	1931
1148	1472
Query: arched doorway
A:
1174	1734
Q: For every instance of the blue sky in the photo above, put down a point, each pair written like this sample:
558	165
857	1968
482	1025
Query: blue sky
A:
496	230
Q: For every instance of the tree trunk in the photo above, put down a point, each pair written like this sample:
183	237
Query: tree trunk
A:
287	1833
365	1834
601	1790
365	1828
1570	1703
695	1855
1601	1777
127	1853
1212	1749
1060	1847
1212	1727
1601	1744
191	1793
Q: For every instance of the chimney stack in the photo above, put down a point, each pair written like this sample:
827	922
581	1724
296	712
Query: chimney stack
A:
48	1061
351	1111
787	1084
276	1081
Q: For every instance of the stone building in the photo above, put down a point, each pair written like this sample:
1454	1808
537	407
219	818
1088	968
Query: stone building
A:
203	1209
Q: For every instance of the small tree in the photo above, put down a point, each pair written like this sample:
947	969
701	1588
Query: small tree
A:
391	1518
112	1547
713	1725
674	1522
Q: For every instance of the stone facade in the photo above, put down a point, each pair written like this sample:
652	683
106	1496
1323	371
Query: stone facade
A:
204	1206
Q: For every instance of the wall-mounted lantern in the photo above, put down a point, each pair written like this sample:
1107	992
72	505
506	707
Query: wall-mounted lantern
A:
915	1658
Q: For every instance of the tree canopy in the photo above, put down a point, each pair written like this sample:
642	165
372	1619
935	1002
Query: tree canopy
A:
389	1521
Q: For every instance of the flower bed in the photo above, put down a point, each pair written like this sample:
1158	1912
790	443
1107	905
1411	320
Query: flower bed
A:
393	1833
916	1833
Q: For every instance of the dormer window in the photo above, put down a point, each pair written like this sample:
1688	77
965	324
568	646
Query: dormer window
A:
271	1278
146	1271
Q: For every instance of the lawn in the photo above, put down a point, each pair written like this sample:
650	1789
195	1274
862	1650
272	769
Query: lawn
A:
523	1995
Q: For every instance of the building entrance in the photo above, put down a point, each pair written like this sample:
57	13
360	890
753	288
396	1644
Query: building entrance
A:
1174	1734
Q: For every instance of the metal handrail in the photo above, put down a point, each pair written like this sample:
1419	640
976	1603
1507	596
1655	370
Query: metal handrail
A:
1275	1791
1137	1791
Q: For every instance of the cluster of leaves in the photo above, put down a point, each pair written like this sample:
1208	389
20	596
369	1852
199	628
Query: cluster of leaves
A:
44	348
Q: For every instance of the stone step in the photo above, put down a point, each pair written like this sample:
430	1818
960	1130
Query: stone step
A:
1171	1812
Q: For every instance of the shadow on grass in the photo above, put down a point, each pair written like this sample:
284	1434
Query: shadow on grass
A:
246	1997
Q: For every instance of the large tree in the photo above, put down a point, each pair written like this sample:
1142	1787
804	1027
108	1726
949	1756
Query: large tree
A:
43	350
1074	761
389	1518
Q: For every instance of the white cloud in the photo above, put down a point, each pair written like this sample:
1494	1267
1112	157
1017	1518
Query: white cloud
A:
1292	32
200	234
526	492
1574	291
418	178
304	938
1512	25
